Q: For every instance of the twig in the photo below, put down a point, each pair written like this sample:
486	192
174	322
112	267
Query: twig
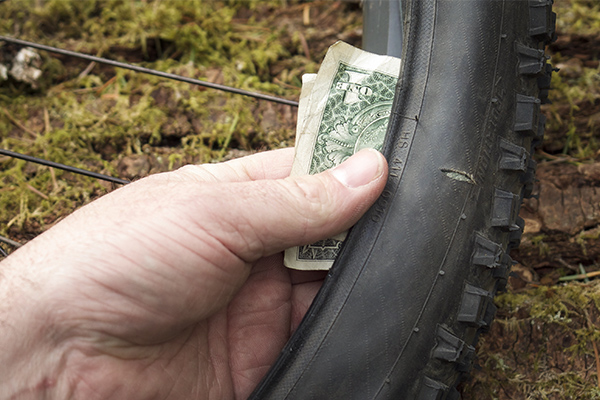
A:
52	173
304	45
239	26
557	159
592	327
306	15
34	190
87	70
47	127
287	85
597	362
108	82
17	123
114	96
331	9
579	276
10	241
567	265
53	176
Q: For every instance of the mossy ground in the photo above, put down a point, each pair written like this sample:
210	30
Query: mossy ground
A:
129	125
542	345
573	125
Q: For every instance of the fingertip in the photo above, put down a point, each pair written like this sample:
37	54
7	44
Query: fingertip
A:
361	169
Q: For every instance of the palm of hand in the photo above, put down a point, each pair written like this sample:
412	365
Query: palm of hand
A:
221	357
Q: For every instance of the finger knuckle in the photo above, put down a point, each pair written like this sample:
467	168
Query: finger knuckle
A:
313	199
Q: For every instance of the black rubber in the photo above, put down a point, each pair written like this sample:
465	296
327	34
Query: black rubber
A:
401	310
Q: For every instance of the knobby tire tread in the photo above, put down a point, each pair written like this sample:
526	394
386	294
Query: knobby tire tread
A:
401	310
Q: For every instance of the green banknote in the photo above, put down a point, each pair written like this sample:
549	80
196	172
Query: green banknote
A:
343	109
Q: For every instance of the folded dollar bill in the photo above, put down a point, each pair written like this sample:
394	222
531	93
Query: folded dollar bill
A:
344	108
308	81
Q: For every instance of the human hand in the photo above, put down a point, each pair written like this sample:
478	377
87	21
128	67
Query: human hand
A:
173	287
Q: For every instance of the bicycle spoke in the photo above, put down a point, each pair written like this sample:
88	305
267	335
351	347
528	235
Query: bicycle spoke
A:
63	167
10	242
150	71
6	244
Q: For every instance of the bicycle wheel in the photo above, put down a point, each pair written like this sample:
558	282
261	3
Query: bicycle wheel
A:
401	310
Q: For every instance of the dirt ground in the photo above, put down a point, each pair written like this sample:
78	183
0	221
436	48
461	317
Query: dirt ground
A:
544	342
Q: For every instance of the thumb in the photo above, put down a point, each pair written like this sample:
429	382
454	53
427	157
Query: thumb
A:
277	214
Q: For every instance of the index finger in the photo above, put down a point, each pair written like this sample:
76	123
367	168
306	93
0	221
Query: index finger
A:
274	164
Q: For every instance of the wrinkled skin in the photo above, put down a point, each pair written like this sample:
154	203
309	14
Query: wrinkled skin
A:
173	287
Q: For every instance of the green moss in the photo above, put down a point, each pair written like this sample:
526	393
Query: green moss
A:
541	345
93	121
578	16
538	241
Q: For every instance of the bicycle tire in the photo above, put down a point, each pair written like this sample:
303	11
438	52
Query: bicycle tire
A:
400	311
